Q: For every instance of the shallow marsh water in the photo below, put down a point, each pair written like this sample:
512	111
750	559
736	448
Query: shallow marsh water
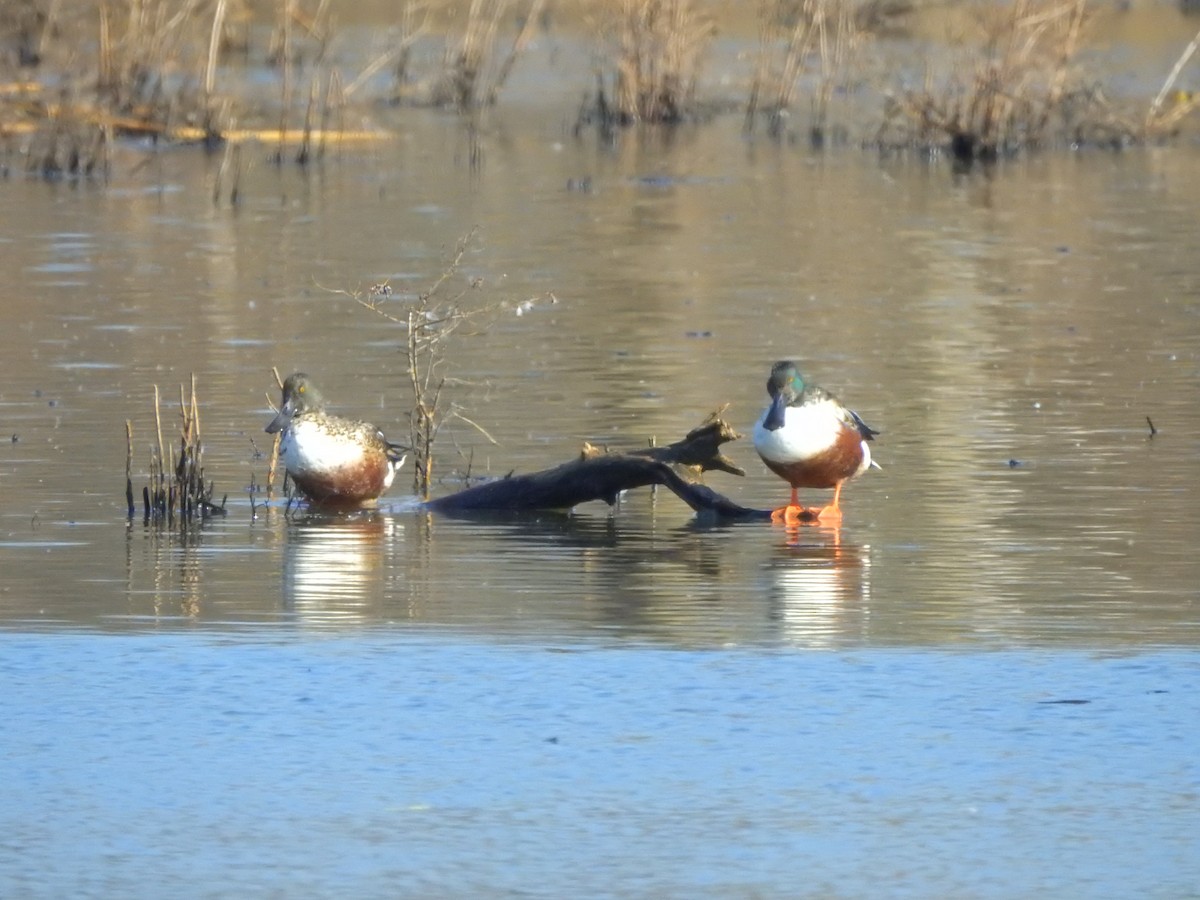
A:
984	684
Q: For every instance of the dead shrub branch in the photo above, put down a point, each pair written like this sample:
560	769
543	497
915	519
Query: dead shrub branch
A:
430	319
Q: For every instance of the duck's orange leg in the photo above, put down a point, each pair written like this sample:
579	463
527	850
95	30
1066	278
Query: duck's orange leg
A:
792	514
832	514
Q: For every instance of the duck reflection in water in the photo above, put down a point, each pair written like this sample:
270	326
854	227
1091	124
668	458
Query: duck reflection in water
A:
820	590
334	567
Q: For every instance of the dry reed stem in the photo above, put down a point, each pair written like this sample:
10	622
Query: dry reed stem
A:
1156	121
287	13
214	45
303	153
335	99
474	77
399	49
520	42
129	467
158	424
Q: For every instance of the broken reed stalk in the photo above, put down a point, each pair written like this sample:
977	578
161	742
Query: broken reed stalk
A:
837	56
399	51
475	51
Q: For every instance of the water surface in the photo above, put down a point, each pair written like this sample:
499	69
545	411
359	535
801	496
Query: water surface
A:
982	684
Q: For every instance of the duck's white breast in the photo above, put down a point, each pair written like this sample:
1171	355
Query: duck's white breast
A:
807	431
310	446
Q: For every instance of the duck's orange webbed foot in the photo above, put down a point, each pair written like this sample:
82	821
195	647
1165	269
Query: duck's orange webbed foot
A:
829	515
793	515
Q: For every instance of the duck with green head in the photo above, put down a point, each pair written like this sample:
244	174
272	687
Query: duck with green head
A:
335	462
810	440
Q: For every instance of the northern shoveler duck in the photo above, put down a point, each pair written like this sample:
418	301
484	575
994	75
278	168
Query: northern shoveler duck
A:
810	440
333	461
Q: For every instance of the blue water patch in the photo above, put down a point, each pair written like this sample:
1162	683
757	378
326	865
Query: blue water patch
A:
392	764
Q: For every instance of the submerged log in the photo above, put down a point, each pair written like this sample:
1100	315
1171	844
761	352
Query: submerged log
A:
601	475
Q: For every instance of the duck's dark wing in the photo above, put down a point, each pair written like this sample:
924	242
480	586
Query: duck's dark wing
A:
864	429
397	453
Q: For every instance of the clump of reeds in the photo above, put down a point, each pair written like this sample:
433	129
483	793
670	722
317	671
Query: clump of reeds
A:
791	33
654	53
150	68
1015	83
68	145
176	492
476	70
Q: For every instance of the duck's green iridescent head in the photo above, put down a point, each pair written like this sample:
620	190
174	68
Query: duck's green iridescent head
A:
785	380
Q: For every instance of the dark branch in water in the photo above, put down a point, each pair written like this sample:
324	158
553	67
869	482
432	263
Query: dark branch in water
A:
1153	430
599	475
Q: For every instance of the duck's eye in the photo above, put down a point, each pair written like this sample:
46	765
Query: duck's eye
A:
300	390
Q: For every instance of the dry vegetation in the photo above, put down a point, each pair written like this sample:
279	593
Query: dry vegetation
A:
475	70
1018	83
652	54
76	75
791	33
430	320
1017	77
175	493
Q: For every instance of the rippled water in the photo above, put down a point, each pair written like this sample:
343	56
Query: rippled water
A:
396	765
981	685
